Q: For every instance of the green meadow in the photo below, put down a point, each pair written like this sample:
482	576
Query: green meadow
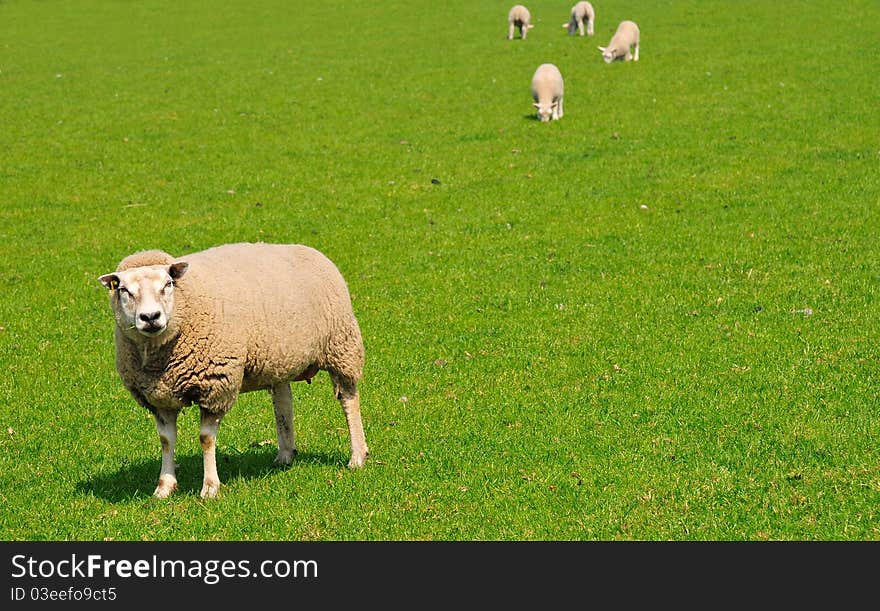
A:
653	319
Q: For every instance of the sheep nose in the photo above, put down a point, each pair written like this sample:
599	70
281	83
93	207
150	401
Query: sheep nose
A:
150	316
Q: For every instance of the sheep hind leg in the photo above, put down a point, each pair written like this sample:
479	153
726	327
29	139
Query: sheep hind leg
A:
210	422
166	426
349	398
636	54
559	111
283	402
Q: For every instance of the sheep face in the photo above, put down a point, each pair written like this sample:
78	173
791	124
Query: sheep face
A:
546	111
607	54
142	298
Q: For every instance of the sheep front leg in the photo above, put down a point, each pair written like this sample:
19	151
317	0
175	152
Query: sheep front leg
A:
166	426
636	54
283	402
581	27
510	32
349	399
210	422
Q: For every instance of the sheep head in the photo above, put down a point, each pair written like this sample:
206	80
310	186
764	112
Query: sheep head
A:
545	110
142	298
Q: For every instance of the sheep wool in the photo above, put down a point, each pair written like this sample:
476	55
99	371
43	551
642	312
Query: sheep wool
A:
547	91
519	18
200	329
581	13
624	45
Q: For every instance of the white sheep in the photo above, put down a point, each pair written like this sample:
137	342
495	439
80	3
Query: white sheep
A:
581	13
624	44
519	17
231	319
547	91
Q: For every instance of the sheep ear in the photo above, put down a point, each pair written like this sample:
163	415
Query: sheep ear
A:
536	105
111	281
176	270
602	49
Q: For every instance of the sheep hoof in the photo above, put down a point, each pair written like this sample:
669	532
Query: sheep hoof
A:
285	458
357	461
167	485
209	490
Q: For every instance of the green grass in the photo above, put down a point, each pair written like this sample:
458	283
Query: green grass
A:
653	319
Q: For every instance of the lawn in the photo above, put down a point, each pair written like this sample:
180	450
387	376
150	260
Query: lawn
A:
651	319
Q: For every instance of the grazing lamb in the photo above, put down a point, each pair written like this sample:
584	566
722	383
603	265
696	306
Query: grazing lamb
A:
625	39
519	17
547	90
203	328
581	13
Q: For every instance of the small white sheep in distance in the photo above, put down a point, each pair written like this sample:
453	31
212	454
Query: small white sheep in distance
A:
547	91
519	18
581	13
624	44
236	318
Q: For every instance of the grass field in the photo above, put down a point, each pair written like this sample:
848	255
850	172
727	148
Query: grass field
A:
654	319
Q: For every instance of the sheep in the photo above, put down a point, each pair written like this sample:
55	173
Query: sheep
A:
547	90
235	318
519	17
625	39
580	13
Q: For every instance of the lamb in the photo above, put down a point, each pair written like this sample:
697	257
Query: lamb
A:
547	90
625	39
580	13
235	318
519	17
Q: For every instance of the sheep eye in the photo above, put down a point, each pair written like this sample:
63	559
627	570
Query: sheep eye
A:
168	286
124	291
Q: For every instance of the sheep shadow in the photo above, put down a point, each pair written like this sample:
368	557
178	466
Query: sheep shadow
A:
137	480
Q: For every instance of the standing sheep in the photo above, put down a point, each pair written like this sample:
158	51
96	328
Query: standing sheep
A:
547	90
519	17
580	13
624	40
231	319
